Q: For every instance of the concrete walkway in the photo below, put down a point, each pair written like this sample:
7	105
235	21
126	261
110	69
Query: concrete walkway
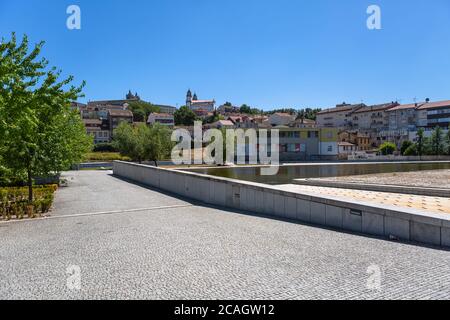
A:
185	251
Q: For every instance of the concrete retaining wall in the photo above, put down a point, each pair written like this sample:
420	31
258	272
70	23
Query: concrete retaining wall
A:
385	221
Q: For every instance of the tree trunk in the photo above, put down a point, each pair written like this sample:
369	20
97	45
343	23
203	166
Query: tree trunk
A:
30	187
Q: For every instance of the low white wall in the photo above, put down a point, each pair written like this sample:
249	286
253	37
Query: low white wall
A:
399	158
268	200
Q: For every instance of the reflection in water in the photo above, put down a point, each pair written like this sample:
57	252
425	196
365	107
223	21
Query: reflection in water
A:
287	174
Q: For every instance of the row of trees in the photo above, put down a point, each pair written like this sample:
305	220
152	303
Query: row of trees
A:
438	144
40	134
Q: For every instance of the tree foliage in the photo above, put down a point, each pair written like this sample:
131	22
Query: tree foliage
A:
40	134
447	140
420	141
405	146
184	117
388	148
141	110
437	141
142	142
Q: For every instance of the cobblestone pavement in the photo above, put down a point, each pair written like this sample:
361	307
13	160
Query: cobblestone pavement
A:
427	178
425	203
196	252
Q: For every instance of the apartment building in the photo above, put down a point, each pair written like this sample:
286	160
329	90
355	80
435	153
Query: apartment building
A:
432	114
373	117
339	117
404	117
301	144
115	117
98	128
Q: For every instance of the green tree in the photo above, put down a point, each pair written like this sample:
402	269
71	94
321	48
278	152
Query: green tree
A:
40	134
142	142
184	117
411	150
213	118
437	141
158	143
388	148
141	110
405	145
447	139
130	140
245	109
420	141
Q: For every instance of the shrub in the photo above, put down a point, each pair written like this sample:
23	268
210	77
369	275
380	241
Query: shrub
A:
387	148
411	151
104	147
405	145
14	201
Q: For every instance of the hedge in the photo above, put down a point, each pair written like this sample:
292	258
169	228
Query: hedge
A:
14	201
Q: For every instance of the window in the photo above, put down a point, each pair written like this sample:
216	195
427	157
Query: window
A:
330	148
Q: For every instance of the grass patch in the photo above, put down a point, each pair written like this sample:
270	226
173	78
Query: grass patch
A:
105	156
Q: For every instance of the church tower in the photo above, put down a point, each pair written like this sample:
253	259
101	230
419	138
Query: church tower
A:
189	98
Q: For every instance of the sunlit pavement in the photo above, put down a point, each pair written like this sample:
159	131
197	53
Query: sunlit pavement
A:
130	242
425	203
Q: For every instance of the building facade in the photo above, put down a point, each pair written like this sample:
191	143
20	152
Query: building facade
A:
373	117
193	103
164	119
432	114
339	117
304	144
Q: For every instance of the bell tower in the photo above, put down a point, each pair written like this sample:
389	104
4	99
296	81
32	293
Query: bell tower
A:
189	98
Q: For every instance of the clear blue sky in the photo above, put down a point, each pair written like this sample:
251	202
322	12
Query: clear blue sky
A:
285	53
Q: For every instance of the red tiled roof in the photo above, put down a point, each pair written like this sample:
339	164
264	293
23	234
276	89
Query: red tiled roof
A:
437	104
407	106
378	107
341	108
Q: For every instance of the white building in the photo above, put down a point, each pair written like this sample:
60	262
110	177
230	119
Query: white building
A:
339	117
281	119
193	103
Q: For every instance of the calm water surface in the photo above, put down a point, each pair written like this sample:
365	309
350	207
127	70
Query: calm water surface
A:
287	174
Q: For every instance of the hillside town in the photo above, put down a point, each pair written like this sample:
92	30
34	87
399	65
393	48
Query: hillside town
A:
346	131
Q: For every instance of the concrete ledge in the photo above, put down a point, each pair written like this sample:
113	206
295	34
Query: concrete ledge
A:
366	218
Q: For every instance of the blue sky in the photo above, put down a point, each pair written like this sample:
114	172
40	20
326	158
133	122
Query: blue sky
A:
268	54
